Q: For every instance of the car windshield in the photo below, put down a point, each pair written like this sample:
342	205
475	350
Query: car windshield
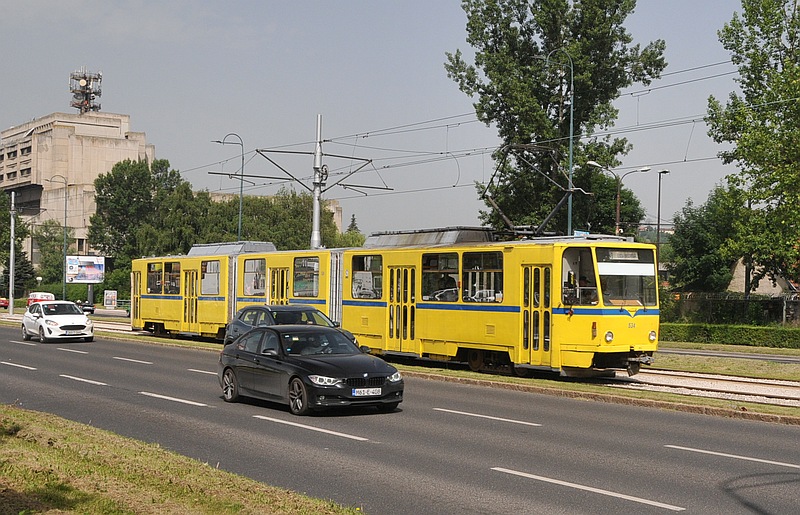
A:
314	343
310	316
61	309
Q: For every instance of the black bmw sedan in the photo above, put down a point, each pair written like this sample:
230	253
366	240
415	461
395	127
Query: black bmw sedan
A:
307	367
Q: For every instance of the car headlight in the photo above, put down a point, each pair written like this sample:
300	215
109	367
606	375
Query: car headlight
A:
325	381
89	322
394	377
51	323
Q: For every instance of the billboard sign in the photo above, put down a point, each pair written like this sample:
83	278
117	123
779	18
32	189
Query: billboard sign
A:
86	269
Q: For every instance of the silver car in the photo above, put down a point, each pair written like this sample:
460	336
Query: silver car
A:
56	320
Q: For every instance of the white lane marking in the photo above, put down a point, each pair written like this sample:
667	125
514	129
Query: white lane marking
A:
312	428
724	455
590	489
202	371
174	399
17	365
72	350
489	417
24	343
134	360
98	383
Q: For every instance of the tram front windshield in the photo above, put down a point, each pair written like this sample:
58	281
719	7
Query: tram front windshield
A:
627	276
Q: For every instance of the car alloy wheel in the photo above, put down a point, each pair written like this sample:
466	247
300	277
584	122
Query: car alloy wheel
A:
25	335
42	337
230	386
298	397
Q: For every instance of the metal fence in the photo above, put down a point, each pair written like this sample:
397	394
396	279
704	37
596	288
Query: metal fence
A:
731	308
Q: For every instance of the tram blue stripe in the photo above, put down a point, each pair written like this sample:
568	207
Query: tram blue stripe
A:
469	307
364	303
606	312
307	301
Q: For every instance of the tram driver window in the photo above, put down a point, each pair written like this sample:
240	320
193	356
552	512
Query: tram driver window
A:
367	277
482	277
439	277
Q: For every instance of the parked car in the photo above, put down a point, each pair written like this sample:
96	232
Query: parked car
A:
86	307
56	320
38	296
307	367
3	302
271	314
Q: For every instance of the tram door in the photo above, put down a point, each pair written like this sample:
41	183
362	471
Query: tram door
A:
190	323
136	294
278	285
536	314
402	309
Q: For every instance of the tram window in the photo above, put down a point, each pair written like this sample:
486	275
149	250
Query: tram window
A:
172	278
439	277
255	278
306	277
367	277
482	277
209	277
155	277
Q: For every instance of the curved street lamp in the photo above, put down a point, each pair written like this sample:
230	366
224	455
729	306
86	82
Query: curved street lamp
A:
241	179
64	256
619	179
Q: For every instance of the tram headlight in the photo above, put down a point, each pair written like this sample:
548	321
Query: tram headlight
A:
652	336
609	337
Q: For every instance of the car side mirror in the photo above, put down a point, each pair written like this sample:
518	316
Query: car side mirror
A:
365	349
270	352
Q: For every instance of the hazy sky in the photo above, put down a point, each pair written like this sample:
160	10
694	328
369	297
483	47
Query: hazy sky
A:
190	72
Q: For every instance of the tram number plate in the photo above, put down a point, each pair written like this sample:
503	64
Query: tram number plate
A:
366	392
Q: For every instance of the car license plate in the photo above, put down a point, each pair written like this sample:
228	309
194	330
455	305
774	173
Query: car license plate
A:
366	392
72	333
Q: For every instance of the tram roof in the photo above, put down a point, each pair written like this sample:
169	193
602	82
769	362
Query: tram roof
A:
231	248
419	237
454	235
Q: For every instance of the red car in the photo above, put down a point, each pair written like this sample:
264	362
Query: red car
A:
3	302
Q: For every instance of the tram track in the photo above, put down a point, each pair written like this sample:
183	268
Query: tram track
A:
743	389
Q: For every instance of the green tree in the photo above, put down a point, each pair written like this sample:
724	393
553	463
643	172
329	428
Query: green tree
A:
49	237
527	57
701	257
353	227
760	124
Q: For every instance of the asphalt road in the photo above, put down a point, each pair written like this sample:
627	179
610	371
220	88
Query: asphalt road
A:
450	448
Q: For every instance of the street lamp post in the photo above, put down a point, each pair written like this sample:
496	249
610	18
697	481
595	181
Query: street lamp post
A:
241	181
661	173
619	179
64	256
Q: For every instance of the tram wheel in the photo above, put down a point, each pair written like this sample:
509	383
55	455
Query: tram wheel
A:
475	360
522	372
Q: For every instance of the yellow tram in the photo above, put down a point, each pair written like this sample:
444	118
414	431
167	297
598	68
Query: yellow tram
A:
576	305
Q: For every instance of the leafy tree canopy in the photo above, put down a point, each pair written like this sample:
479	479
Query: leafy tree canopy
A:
702	258
534	63
760	124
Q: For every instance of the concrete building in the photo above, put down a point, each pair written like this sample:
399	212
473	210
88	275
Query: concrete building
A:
51	164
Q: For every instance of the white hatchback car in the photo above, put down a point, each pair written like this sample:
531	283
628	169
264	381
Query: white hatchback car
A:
56	320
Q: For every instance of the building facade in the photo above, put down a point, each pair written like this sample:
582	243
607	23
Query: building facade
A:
50	163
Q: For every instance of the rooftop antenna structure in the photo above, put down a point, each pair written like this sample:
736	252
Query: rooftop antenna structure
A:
86	89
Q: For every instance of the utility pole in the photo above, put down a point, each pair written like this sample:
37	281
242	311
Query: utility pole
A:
11	260
320	176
